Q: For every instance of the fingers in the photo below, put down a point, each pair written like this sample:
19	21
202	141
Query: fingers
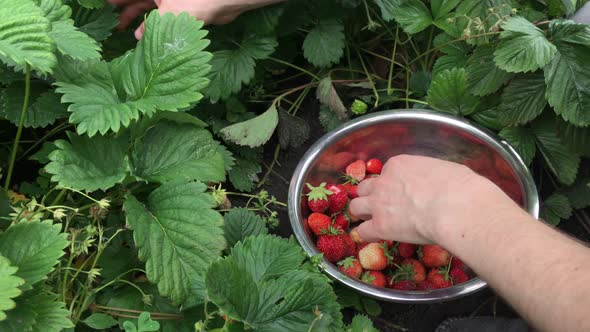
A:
133	11
139	31
369	232
361	207
366	187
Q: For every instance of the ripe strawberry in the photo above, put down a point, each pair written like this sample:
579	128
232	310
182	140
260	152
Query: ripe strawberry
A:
332	246
425	285
317	198
458	275
406	250
375	278
356	171
351	267
374	166
338	199
349	245
351	189
405	285
413	270
373	257
457	263
341	222
439	279
389	243
318	223
434	256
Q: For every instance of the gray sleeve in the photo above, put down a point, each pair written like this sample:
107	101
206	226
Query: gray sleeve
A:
583	15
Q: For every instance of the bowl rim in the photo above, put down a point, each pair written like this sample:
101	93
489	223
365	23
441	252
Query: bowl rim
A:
439	295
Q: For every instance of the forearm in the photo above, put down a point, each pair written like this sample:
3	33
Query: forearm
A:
544	274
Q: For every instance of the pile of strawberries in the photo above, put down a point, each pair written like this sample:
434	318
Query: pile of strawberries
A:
396	265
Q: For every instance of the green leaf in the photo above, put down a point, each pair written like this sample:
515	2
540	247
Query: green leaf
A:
91	3
328	119
97	24
51	314
387	8
555	208
9	286
523	99
324	44
567	76
164	73
99	321
471	11
487	114
449	62
293	131
442	7
448	45
24	36
562	162
178	235
42	155
54	10
522	140
244	174
44	110
265	286
578	194
328	96
254	132
361	323
241	223
413	16
72	42
230	69
523	47
371	307
577	139
483	76
448	93
172	151
34	247
89	164
144	324
4	204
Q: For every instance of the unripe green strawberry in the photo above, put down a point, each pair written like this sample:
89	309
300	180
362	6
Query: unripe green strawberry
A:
359	107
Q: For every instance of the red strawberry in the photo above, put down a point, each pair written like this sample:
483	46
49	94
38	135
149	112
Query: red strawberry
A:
351	189
317	198
374	166
351	267
425	285
356	171
439	279
375	278
332	246
412	270
406	250
349	245
338	199
318	223
459	276
434	256
457	263
341	222
389	243
359	247
373	257
405	285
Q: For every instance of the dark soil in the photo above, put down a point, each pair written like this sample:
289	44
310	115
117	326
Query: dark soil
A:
395	317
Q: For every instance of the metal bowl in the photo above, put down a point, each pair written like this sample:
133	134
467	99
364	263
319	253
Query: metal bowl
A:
387	134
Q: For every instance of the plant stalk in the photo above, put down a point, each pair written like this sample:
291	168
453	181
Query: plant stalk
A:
21	123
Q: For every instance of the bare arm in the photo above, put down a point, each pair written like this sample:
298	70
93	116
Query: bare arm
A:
544	274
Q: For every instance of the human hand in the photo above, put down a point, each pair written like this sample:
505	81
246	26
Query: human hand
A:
211	12
416	198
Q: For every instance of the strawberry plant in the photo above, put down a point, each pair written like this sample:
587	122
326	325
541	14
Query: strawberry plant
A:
121	159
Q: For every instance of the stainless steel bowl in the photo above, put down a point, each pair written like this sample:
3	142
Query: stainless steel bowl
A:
387	134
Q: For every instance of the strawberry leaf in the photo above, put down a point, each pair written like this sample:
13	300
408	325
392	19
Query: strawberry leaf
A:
34	247
9	286
575	138
387	8
37	312
483	76
266	286
97	24
523	100
324	44
555	208
244	174
254	132
44	109
523	141
169	151
413	16
448	93
164	73
242	223
86	163
24	36
293	131
361	323
178	235
100	321
72	42
328	96
523	47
